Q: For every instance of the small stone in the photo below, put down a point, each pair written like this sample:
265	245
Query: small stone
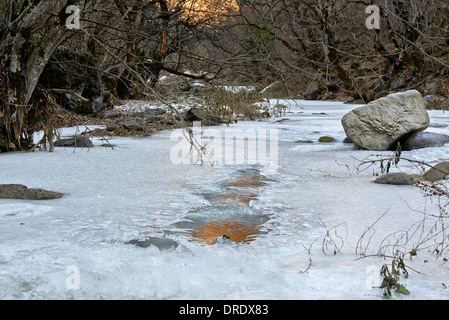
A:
213	118
398	83
76	142
396	178
439	172
155	112
348	140
111	127
152	118
132	125
195	114
433	85
326	139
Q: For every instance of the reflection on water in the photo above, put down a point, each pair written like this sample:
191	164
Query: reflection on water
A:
236	198
234	229
248	180
238	193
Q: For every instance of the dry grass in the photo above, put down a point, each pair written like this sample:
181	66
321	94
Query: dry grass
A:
228	104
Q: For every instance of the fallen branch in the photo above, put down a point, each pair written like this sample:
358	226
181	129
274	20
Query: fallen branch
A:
67	91
41	141
421	163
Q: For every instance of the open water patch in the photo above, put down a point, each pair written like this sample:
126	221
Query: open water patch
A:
208	224
230	213
227	213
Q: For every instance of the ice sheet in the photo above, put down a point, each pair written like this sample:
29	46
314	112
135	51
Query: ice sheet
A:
77	247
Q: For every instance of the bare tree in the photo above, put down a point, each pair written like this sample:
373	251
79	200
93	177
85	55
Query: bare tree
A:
133	41
328	40
143	38
30	32
130	41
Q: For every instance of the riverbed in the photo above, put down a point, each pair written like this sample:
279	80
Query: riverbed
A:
139	222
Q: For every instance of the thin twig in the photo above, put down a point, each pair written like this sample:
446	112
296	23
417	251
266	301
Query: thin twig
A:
67	91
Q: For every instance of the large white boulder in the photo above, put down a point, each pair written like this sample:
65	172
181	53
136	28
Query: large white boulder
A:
380	124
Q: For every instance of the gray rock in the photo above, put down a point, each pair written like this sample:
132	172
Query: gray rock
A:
152	118
155	112
431	98
421	140
347	140
381	123
195	114
19	191
433	85
131	125
433	101
111	127
75	142
160	243
398	83
396	178
213	118
439	172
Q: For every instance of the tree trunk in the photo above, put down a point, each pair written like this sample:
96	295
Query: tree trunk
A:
32	33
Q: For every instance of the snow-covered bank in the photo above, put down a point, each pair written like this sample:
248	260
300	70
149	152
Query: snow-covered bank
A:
76	246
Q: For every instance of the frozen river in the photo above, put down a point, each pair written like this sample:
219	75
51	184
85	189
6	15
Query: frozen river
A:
135	224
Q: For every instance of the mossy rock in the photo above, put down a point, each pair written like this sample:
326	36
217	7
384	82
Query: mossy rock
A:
326	139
